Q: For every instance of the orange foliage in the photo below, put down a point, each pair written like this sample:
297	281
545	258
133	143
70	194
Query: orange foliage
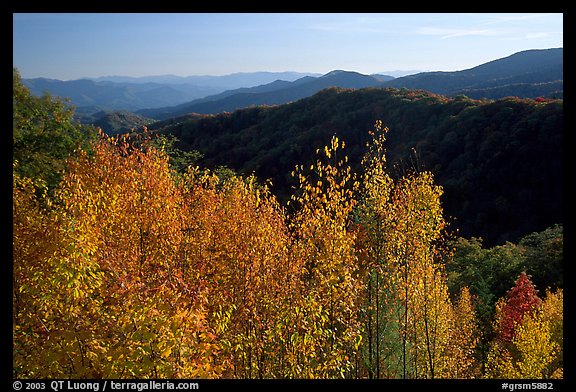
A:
134	271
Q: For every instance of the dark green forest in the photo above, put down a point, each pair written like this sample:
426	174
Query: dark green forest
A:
500	162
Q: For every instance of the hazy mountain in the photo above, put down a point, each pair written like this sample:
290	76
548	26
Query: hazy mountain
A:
530	74
133	93
400	73
382	77
506	76
118	121
272	94
553	89
112	95
226	82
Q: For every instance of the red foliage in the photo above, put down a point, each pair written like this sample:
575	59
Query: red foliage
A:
520	300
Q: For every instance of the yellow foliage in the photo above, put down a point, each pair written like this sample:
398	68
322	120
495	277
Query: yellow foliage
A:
131	273
536	348
107	293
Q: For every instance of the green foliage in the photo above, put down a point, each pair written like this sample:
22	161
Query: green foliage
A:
543	252
179	160
490	272
44	134
117	122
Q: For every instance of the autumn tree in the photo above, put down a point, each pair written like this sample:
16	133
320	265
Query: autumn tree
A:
529	341
380	348
36	239
237	233
136	271
460	355
490	272
117	297
520	300
329	332
422	290
553	314
406	306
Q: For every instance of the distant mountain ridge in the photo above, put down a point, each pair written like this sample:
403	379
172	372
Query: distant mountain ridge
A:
132	93
526	74
230	81
275	93
527	67
115	95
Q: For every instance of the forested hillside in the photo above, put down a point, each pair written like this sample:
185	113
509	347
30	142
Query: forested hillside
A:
128	263
500	162
119	121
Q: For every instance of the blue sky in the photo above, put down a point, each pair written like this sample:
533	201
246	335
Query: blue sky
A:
71	46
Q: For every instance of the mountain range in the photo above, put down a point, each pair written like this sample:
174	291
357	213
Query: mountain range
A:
527	74
91	95
275	93
531	67
224	82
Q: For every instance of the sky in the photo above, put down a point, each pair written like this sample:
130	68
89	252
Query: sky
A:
72	46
